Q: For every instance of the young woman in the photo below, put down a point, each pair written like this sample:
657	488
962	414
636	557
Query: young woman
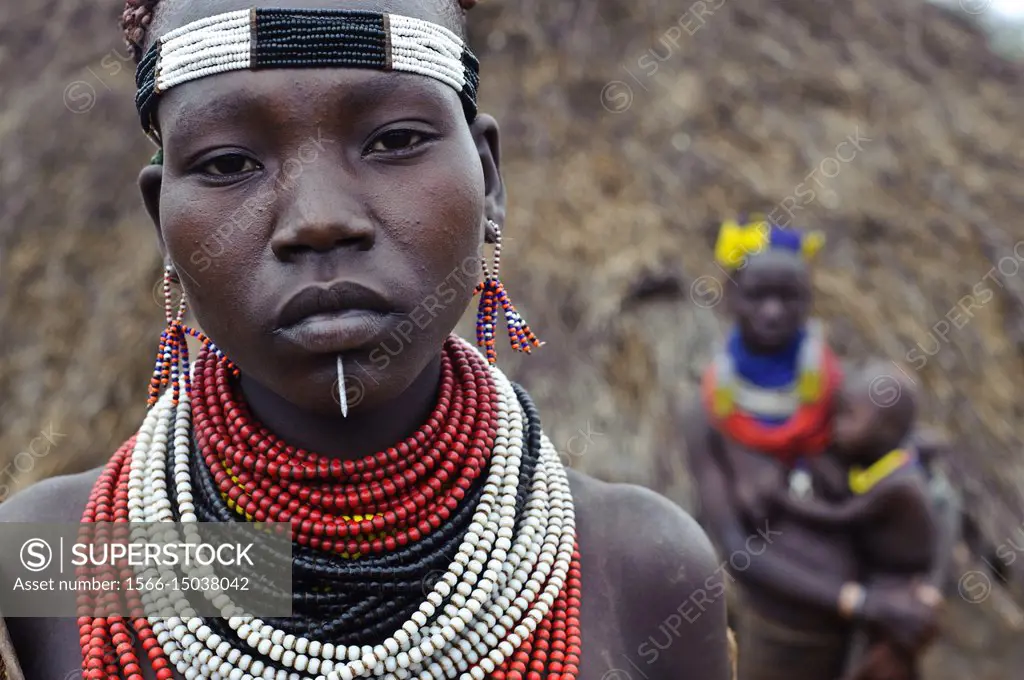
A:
765	418
325	191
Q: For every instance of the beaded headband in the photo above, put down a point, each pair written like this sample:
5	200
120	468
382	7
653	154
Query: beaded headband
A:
739	240
252	39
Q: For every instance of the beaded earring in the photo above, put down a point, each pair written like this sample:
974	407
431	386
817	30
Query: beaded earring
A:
172	364
492	294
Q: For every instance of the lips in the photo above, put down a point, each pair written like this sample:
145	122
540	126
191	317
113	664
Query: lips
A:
336	318
334	300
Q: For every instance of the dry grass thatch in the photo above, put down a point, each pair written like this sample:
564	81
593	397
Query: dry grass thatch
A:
630	129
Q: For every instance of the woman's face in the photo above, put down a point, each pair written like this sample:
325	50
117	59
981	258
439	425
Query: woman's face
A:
771	300
312	213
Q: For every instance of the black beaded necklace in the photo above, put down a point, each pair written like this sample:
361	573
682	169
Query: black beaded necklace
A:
361	600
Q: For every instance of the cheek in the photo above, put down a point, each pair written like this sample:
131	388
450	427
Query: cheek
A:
764	309
797	307
206	227
850	425
216	244
841	425
434	221
746	306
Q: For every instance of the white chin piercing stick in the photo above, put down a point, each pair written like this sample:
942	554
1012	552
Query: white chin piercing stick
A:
342	397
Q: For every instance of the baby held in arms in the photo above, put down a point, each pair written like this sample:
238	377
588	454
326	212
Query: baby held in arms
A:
885	503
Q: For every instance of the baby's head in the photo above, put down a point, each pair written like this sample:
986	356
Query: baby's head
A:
875	412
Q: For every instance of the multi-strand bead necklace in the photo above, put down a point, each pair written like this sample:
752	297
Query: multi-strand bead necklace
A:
449	555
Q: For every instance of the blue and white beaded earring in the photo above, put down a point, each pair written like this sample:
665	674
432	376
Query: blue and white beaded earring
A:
492	294
172	361
173	347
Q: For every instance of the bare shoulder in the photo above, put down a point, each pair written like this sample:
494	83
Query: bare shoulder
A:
693	426
632	516
57	499
907	485
659	566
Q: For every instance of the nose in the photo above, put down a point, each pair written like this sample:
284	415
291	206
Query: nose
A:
772	310
322	213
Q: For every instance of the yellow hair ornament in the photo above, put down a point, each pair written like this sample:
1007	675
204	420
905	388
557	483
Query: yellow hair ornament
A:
737	241
811	244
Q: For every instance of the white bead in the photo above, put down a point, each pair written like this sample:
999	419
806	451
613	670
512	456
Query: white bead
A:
505	569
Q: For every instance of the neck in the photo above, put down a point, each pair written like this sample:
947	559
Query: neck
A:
365	431
784	349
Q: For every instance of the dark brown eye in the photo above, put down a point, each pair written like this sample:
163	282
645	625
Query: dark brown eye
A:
229	164
396	140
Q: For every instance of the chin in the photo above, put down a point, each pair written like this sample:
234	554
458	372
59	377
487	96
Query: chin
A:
772	343
767	341
372	377
364	385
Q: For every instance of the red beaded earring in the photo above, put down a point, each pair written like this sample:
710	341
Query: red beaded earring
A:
172	354
492	294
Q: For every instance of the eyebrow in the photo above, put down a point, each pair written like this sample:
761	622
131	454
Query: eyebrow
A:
376	90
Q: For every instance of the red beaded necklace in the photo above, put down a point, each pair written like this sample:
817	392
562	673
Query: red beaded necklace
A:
260	475
407	491
107	648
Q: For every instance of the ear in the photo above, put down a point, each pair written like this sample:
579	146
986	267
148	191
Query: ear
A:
485	133
150	180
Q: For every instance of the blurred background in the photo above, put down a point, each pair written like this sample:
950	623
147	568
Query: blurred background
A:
631	128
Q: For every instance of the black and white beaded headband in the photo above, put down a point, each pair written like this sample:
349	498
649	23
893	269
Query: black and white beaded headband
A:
304	38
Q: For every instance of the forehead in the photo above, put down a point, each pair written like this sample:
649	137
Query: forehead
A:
856	392
774	268
171	14
288	102
295	93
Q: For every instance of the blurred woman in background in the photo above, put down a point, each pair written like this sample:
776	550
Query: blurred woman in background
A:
764	421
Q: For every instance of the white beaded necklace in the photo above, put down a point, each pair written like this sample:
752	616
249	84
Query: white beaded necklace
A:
496	591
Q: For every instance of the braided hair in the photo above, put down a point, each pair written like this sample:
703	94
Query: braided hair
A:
138	15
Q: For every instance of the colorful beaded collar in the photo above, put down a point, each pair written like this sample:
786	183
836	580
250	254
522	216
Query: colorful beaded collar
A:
251	39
